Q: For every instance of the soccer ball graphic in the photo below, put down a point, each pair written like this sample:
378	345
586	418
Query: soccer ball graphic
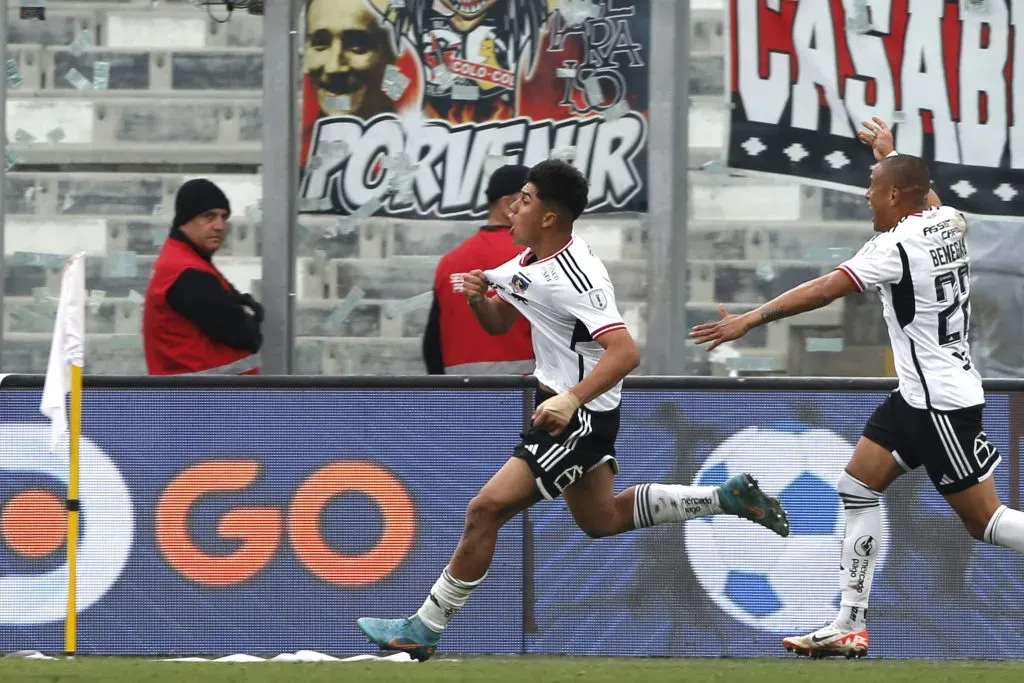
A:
763	580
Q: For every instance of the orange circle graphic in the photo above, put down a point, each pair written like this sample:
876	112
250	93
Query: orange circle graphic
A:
33	523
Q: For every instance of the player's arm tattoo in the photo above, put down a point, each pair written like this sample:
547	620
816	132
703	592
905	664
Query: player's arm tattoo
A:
771	313
809	296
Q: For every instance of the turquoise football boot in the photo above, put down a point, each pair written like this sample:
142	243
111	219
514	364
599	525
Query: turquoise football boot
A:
741	496
404	635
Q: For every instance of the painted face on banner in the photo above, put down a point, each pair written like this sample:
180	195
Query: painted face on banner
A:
486	83
469	9
473	52
347	52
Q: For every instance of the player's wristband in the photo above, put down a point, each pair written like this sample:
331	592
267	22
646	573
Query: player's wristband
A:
893	153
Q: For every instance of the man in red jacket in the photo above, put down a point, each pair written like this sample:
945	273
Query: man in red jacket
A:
453	342
194	321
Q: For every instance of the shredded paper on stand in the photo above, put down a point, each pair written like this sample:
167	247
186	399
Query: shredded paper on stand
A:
38	260
123	264
345	308
408	305
348	224
14	80
76	79
339	103
576	12
81	43
394	83
100	75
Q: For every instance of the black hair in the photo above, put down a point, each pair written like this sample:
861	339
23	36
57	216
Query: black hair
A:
909	174
560	183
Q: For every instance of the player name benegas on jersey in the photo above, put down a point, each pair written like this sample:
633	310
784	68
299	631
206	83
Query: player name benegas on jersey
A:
949	253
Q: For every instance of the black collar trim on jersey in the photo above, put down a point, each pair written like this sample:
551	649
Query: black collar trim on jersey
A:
528	254
494	226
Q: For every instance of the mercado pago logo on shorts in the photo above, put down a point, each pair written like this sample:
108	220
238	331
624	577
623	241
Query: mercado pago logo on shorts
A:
33	524
762	580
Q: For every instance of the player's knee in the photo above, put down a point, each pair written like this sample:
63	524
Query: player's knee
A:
851	488
483	514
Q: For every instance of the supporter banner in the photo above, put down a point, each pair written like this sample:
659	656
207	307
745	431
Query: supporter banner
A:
948	75
264	521
409	106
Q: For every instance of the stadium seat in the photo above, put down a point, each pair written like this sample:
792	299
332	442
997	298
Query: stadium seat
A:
707	30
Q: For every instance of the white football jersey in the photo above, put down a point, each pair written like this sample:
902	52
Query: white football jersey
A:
570	301
922	272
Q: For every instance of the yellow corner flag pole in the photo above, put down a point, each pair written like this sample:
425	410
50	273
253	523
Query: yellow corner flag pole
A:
71	619
67	358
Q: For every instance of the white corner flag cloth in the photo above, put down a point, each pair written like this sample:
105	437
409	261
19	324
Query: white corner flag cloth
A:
67	347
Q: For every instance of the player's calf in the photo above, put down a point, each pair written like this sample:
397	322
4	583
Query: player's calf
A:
610	526
862	509
1005	528
986	518
740	496
976	527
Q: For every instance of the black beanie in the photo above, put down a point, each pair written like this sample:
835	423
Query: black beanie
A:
196	197
506	180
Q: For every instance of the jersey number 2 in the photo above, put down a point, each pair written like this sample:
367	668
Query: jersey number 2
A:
946	337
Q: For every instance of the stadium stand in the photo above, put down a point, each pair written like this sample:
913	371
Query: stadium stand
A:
96	168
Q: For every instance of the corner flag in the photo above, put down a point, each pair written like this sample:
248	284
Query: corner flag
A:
64	373
67	348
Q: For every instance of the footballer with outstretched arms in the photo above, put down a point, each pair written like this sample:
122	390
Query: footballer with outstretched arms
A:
919	265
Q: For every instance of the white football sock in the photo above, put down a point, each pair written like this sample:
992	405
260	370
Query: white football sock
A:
665	503
1006	528
861	545
447	597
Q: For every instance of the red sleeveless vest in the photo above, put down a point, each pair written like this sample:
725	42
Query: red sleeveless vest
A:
173	344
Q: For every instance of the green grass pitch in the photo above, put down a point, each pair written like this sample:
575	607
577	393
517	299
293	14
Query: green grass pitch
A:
453	669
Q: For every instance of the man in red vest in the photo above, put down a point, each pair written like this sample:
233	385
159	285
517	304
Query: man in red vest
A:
454	342
194	321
